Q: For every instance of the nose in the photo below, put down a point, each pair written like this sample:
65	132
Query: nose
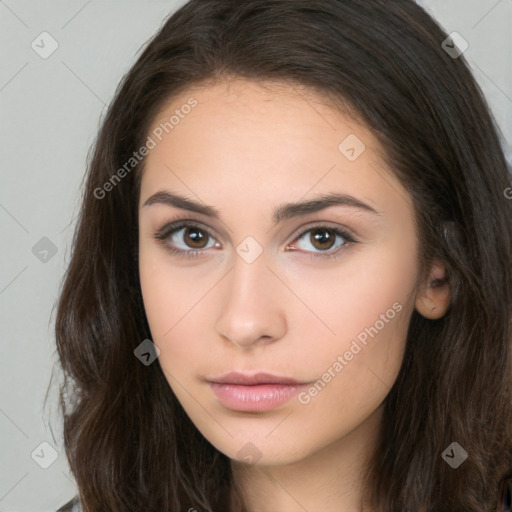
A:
252	308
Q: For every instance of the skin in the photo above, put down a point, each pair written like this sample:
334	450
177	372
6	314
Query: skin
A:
245	149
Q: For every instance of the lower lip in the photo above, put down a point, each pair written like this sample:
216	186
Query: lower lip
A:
260	397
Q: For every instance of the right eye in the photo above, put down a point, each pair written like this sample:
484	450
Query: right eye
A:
179	237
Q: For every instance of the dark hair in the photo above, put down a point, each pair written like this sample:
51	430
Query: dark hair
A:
130	445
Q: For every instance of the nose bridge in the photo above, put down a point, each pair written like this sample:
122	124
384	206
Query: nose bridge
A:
250	311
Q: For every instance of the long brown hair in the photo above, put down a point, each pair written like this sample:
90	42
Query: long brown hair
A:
130	445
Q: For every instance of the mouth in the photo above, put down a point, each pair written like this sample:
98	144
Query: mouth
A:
253	392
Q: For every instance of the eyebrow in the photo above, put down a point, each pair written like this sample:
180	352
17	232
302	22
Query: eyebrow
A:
283	212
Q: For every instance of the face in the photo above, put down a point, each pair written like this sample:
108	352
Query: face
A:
293	255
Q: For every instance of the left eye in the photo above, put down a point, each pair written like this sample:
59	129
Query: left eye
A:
324	238
180	238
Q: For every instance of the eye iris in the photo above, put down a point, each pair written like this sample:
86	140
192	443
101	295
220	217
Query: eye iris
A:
322	236
196	236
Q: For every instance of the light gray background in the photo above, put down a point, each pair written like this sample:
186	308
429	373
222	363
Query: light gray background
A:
51	110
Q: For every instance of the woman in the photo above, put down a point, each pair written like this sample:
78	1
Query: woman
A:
291	286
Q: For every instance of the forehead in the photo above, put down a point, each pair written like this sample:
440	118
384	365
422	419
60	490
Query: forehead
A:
261	141
259	110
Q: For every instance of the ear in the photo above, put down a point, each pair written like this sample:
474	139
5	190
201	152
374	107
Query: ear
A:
434	294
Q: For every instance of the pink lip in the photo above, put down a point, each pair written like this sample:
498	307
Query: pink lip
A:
253	393
251	379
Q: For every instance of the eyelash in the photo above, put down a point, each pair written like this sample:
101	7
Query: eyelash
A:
162	234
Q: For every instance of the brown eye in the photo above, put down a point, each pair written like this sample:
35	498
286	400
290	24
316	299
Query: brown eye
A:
322	239
186	238
195	238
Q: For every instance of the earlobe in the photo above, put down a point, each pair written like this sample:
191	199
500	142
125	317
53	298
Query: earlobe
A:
434	295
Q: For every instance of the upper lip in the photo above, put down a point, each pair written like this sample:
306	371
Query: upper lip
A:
248	379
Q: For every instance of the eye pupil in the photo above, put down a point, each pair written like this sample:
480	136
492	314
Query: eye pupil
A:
196	236
319	236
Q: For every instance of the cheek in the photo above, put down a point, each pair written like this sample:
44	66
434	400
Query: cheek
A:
170	296
372	289
368	306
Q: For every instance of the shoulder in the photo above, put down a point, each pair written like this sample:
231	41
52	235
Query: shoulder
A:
71	506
